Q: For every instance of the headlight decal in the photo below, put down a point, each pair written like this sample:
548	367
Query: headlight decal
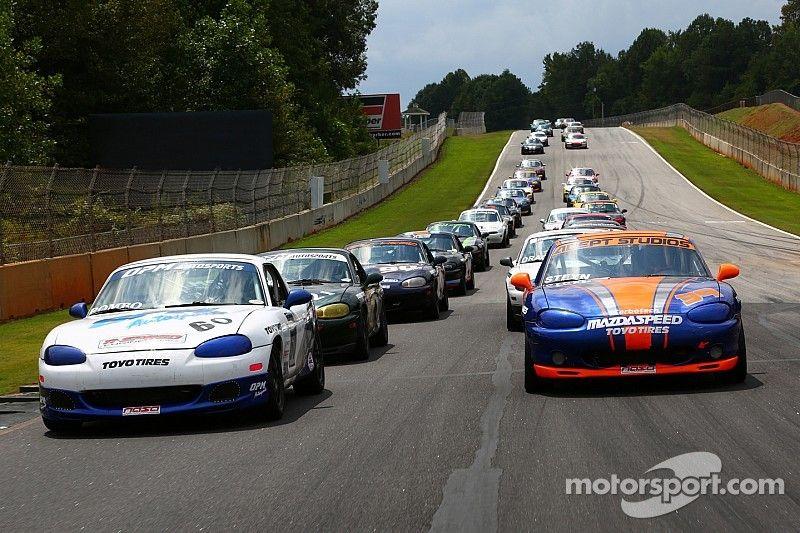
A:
337	310
417	281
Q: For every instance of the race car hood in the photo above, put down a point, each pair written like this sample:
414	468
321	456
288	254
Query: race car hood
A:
393	273
156	329
531	268
630	296
328	293
490	226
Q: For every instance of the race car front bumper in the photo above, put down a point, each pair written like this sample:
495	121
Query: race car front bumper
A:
338	335
571	353
105	387
495	238
452	278
104	404
397	298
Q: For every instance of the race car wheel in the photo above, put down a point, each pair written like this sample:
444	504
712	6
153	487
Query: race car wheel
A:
513	323
471	281
434	312
276	391
381	338
462	285
506	242
488	260
362	341
444	303
314	381
532	382
482	264
739	372
62	426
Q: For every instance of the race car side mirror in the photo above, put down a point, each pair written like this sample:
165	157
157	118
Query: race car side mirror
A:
439	260
298	297
522	281
507	262
468	249
373	279
484	235
624	211
727	271
79	310
542	221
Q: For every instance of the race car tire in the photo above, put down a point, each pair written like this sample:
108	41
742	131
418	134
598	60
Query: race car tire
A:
62	426
488	261
739	372
481	265
506	241
444	303
462	285
276	390
471	282
381	337
314	381
434	312
362	340
532	382
513	323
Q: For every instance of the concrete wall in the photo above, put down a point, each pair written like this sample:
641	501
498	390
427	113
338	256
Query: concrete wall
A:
32	287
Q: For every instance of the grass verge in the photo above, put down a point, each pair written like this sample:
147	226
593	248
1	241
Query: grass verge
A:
446	188
726	180
443	190
21	340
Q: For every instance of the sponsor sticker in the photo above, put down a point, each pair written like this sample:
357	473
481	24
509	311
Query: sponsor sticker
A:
633	324
138	339
696	296
121	306
637	369
141	410
163	267
258	388
135	362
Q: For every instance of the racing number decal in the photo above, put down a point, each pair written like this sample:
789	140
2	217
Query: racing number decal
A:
205	326
292	338
697	296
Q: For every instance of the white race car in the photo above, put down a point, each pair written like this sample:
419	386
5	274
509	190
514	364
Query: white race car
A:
490	223
529	260
556	218
182	334
576	140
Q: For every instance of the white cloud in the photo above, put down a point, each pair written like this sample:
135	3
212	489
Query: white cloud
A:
419	41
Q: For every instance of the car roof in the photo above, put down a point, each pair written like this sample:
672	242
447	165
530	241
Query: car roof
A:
593	216
553	233
568	210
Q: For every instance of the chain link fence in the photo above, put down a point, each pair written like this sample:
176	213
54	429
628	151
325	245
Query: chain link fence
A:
53	211
776	160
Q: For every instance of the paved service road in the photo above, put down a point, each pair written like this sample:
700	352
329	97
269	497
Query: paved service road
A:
436	431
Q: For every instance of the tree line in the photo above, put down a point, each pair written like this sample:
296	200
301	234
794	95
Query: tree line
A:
62	60
711	62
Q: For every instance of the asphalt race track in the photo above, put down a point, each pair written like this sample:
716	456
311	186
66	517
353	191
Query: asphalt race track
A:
436	431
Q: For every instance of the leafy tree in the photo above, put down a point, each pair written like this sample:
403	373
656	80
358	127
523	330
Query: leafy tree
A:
24	98
438	97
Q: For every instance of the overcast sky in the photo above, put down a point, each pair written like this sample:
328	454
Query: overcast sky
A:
418	41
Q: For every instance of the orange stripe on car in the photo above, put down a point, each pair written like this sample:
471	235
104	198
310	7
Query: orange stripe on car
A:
633	297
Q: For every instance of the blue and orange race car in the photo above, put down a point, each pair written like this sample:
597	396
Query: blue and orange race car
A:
626	304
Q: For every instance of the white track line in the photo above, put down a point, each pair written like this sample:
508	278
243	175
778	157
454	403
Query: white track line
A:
703	193
494	171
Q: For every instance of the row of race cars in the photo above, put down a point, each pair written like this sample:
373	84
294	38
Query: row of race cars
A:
225	332
572	135
596	300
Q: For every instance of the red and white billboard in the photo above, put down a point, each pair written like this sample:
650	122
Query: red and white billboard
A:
384	120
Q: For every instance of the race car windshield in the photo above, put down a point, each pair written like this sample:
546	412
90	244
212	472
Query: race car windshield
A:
388	253
180	284
439	243
574	262
601	208
536	249
511	193
520	184
585	172
460	230
480	216
578	136
313	268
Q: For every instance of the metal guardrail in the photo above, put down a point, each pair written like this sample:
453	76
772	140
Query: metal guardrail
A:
53	211
776	160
